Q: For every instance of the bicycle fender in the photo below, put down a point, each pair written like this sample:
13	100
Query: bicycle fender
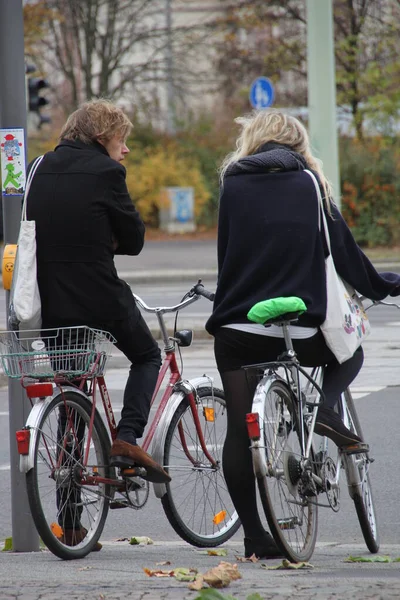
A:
26	462
161	432
257	447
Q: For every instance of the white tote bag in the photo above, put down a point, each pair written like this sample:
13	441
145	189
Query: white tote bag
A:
25	305
346	324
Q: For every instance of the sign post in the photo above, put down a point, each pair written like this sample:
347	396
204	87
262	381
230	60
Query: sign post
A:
13	149
261	93
177	216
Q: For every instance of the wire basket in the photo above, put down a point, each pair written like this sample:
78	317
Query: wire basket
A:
67	352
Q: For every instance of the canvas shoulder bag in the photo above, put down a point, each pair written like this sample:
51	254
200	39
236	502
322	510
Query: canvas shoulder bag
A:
25	304
346	324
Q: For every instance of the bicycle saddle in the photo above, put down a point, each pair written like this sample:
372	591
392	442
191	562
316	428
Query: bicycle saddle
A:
274	310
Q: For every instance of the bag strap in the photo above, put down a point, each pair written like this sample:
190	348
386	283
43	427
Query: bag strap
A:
31	173
321	209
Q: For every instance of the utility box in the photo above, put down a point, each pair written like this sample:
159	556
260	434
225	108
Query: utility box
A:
177	210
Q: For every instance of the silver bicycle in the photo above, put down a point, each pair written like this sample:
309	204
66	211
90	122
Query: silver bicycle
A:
297	471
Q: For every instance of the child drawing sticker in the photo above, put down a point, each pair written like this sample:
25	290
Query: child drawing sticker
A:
12	160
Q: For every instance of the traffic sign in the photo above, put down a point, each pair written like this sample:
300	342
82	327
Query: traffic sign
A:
261	93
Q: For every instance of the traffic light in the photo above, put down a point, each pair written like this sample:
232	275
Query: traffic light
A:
35	101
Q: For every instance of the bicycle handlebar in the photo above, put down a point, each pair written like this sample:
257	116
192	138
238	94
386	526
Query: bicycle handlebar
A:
200	290
192	296
377	302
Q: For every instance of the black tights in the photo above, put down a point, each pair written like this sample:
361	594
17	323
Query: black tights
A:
234	349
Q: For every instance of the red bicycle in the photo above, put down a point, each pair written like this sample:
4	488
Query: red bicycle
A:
64	446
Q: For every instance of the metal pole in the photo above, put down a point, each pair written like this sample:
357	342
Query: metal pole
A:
170	68
322	89
13	115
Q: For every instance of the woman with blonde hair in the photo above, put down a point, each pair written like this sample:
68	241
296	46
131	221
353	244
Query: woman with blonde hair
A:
270	246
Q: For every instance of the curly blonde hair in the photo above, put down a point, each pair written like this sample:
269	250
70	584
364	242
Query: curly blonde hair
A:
94	120
262	126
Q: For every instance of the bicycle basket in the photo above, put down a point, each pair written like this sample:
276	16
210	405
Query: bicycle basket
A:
67	351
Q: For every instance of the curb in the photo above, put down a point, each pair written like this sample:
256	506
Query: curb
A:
192	275
168	275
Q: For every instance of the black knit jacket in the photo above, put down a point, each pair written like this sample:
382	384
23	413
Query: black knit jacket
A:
269	245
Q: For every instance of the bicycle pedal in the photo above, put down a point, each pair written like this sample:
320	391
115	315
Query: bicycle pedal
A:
355	448
133	472
118	504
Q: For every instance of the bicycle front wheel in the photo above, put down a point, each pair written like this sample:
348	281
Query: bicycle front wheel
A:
286	491
357	472
197	502
68	507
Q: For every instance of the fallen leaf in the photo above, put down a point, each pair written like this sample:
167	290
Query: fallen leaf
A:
182	574
215	552
372	559
197	584
163	563
85	568
158	572
286	564
222	575
122	540
135	541
253	558
7	545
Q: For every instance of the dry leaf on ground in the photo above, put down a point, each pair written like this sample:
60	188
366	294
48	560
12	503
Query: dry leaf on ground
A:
215	552
253	558
286	564
222	575
144	540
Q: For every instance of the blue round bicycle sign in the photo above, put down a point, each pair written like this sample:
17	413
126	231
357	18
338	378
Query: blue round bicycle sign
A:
261	93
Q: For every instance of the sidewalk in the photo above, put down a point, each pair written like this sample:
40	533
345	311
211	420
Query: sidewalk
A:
117	573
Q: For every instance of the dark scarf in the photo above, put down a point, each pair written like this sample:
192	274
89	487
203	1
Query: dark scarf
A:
270	156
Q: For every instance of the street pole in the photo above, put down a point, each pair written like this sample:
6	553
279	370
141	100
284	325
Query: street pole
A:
322	89
13	115
171	115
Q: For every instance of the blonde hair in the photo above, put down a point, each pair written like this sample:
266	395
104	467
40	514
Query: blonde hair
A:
96	119
262	126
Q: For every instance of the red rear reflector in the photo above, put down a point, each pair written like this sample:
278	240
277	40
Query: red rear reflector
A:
253	426
39	390
23	436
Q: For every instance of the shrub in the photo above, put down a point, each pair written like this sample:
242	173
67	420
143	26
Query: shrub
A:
370	190
152	169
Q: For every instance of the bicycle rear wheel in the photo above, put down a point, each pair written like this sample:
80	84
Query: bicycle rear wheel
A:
69	515
288	503
197	502
357	473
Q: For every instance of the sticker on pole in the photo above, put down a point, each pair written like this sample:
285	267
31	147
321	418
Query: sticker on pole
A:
12	161
261	93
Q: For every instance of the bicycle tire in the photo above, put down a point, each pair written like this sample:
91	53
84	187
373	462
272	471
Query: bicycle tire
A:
292	515
197	502
52	504
357	466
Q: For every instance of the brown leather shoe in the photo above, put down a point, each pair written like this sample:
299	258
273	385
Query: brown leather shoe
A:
121	450
73	537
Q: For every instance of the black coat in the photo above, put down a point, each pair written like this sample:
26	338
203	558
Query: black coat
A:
81	204
269	245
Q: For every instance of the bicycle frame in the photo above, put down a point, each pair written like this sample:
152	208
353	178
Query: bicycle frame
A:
175	385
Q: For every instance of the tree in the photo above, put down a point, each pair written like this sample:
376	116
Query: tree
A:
268	37
118	49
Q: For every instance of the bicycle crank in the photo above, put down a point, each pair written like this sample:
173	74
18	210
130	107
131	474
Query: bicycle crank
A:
331	487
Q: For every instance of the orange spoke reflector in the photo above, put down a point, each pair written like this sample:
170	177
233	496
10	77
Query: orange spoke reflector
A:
219	517
56	530
209	414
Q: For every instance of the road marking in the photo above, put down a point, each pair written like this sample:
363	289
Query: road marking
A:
5	467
